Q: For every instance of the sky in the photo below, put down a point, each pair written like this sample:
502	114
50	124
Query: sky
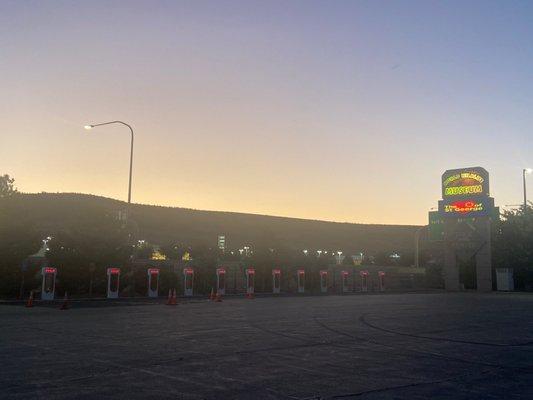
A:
344	111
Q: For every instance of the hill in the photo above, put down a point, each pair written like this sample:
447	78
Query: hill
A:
162	225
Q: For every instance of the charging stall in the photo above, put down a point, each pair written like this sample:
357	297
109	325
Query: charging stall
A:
276	281
113	282
381	281
153	282
188	280
323	281
301	280
221	281
344	278
250	280
364	281
49	283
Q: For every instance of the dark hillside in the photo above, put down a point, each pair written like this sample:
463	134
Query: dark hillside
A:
161	225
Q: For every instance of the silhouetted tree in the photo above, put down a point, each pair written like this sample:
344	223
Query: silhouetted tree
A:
347	260
143	251
7	186
172	250
513	245
93	242
19	238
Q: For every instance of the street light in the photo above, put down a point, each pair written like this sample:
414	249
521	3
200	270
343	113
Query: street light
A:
89	127
525	171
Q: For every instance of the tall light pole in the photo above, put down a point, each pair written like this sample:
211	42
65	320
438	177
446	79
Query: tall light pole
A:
88	127
525	171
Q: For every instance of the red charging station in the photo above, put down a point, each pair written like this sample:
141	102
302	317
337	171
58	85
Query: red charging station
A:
364	281
48	287
221	281
381	281
250	280
113	282
153	282
301	280
276	281
323	281
188	280
344	275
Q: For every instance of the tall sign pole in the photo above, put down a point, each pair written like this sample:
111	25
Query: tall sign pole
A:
467	210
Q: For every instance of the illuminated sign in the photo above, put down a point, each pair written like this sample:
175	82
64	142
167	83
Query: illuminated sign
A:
49	270
463	207
222	242
188	271
465	182
113	271
154	271
301	271
466	208
221	271
276	272
250	271
322	273
465	194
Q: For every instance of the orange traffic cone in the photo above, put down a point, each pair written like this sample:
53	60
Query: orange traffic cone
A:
64	306
169	298
212	295
218	298
30	300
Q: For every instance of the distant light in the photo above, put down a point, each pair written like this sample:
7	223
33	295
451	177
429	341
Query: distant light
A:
529	170
88	127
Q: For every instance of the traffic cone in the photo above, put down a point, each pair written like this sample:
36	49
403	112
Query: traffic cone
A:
173	300
169	298
64	306
30	300
218	298
212	295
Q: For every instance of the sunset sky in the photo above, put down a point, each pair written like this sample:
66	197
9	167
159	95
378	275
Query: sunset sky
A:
334	110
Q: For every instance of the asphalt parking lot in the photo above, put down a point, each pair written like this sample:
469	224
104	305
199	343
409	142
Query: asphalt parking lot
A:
401	346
